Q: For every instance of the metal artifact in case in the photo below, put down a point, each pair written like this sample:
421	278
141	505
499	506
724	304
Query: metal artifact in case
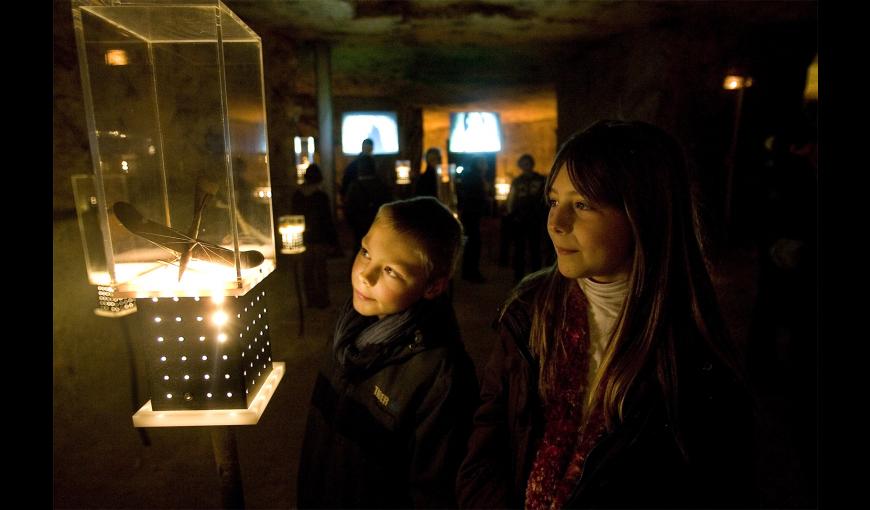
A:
174	102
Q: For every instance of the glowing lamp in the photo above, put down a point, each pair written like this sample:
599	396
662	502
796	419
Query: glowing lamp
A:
291	228
209	364
303	148
111	305
116	58
403	171
301	168
502	190
736	82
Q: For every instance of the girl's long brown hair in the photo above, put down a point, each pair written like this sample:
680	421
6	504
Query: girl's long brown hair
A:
671	304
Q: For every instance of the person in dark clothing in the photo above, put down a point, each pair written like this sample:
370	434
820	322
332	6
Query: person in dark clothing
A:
613	383
527	216
320	236
366	194
391	409
351	173
427	183
473	206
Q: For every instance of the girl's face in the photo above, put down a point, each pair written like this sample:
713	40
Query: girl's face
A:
591	240
388	274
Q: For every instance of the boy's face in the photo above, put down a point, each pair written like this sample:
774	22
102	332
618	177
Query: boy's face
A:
388	274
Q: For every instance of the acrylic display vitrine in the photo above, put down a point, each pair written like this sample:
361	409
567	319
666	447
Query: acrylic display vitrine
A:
173	95
178	211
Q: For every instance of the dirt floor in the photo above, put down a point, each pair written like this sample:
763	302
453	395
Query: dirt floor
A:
101	461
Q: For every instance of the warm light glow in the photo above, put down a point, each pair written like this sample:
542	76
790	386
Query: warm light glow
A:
116	57
157	279
291	228
301	168
304	156
222	337
811	91
502	190
217	299
263	192
184	358
219	318
403	171
734	82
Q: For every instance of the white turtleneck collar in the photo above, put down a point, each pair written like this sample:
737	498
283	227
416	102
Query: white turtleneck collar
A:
605	303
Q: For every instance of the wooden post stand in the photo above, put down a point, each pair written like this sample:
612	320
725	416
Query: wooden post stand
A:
226	458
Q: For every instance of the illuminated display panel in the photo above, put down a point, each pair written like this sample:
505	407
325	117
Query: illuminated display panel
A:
381	127
473	132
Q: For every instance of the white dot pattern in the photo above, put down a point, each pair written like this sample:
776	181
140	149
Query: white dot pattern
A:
219	374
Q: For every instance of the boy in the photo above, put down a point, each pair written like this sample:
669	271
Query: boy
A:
391	411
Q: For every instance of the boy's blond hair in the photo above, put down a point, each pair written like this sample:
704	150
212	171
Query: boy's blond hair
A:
436	233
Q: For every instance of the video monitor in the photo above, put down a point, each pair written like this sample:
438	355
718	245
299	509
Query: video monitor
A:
475	132
381	127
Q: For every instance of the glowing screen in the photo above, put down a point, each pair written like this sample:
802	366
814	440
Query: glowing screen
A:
381	127
475	132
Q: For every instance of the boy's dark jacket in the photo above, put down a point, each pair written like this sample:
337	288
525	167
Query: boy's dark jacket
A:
637	466
388	425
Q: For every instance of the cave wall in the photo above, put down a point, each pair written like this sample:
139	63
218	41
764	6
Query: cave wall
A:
672	76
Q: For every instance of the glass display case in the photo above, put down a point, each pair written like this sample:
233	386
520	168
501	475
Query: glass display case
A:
179	203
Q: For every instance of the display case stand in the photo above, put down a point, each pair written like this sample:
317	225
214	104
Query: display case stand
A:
223	438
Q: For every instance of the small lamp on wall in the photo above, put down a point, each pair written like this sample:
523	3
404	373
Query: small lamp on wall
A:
403	171
303	147
291	228
502	190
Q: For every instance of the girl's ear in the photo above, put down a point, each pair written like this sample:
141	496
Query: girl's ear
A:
436	288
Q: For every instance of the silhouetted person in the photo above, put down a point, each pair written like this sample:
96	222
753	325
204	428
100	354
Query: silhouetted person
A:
320	236
473	201
352	171
427	183
364	196
527	213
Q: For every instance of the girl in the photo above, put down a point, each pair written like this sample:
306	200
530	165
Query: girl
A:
613	383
